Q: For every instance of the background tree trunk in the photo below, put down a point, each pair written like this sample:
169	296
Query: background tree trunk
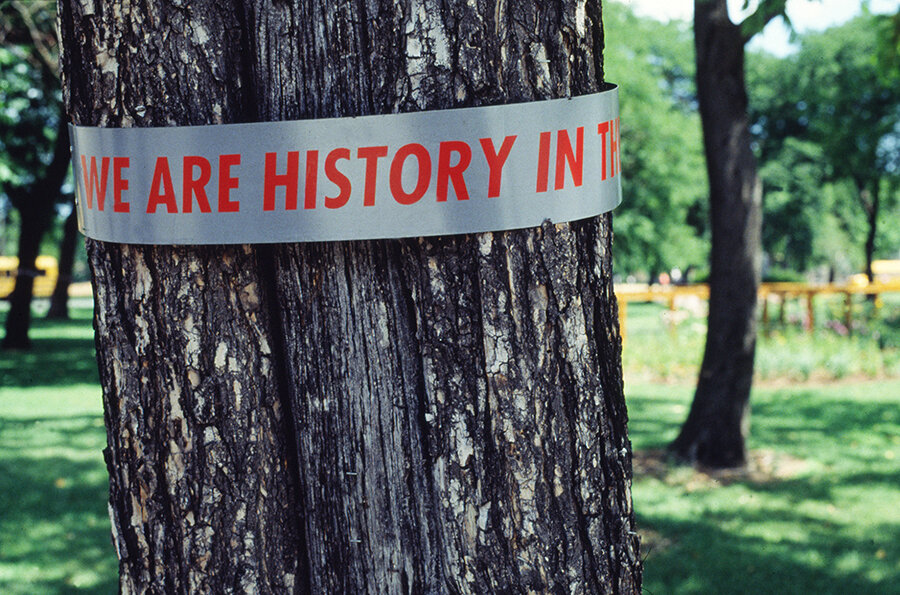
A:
59	301
18	319
714	431
871	202
35	205
438	415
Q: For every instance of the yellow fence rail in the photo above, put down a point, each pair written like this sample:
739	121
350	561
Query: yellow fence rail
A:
781	292
45	272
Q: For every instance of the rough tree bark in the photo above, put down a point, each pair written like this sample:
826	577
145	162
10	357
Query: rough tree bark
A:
438	415
714	431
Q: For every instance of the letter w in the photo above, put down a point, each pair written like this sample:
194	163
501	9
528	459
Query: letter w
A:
92	183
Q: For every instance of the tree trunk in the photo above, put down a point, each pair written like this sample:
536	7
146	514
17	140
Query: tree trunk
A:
871	200
35	206
714	431
59	301
439	415
18	319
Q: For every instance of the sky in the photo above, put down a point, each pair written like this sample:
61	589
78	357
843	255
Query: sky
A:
804	14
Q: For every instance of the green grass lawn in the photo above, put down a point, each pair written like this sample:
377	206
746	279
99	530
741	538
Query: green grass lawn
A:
817	511
54	527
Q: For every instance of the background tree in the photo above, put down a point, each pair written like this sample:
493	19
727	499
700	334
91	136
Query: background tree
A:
421	415
68	248
34	145
713	433
825	124
662	221
851	109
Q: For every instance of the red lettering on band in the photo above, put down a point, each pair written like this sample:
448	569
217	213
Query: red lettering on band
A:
371	155
335	176
602	130
615	164
496	161
94	183
447	173
192	186
424	175
227	183
162	177
543	168
565	154
120	184
289	180
312	173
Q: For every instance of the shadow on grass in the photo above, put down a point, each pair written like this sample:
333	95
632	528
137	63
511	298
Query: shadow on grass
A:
820	519
655	413
808	410
720	534
700	556
54	527
62	354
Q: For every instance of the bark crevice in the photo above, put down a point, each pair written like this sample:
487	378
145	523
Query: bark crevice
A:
284	395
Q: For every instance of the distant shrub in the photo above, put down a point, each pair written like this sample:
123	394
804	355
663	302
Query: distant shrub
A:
780	275
888	332
841	364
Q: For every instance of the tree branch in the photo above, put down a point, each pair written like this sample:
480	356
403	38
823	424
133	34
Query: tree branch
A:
26	30
762	16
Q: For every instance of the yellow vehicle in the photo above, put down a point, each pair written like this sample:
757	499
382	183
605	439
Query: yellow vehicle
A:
44	280
886	270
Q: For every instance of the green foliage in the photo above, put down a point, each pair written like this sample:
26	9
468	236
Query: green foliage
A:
888	334
780	275
765	11
888	39
661	222
824	124
792	190
850	110
826	130
826	355
26	119
29	115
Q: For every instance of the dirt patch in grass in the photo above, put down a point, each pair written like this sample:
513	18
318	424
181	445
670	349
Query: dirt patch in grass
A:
763	466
